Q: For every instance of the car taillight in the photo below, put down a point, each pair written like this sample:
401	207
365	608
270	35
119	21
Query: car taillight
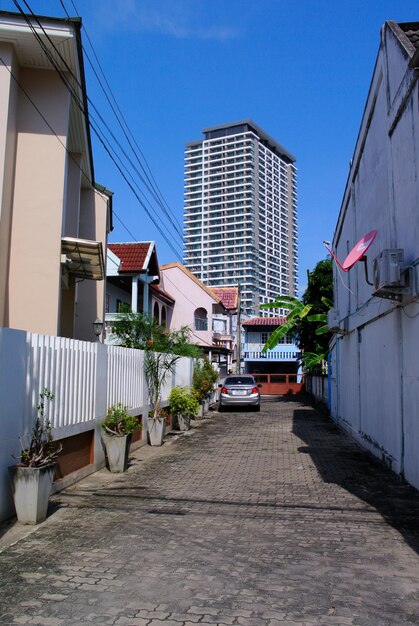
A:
223	389
255	390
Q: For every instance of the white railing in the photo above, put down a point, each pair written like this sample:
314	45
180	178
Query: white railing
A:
85	379
125	378
272	355
68	369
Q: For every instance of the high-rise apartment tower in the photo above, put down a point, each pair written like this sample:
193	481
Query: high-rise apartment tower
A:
240	219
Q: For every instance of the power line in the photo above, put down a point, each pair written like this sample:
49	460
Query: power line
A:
83	108
124	126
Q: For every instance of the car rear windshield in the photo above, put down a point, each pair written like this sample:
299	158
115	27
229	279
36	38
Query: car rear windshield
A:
239	380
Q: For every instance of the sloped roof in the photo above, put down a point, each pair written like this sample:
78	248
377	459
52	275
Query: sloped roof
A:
411	30
136	257
162	292
265	321
189	274
227	295
408	36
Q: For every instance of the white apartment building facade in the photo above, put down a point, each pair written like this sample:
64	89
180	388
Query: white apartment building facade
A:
240	217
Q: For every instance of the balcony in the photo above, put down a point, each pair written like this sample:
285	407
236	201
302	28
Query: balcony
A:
280	353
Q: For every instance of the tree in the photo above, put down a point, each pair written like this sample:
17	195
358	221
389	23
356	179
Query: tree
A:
317	300
137	330
319	294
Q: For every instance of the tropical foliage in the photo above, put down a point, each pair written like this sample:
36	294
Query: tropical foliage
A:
157	368
137	330
42	449
118	422
203	379
183	401
306	320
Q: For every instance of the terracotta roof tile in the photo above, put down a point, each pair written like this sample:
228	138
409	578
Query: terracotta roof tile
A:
134	256
265	321
227	295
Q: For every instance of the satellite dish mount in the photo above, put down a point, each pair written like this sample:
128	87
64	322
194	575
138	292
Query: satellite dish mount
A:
356	254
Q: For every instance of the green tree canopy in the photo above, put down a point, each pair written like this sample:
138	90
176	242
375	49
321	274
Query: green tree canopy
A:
137	330
307	318
319	294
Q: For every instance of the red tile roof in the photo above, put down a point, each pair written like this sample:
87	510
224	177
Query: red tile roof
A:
265	321
135	257
227	295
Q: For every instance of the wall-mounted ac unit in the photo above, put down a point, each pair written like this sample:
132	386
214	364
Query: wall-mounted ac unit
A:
392	279
333	321
387	268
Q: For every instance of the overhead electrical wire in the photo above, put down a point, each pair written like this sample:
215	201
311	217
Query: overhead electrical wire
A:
123	170
125	128
98	132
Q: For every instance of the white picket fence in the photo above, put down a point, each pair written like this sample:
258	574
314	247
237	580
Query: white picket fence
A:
85	379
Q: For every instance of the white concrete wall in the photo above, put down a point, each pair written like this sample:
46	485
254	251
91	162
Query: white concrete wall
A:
375	364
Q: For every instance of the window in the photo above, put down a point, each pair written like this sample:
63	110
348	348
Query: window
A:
201	319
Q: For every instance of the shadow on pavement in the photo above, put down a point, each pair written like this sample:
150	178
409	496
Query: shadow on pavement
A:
344	463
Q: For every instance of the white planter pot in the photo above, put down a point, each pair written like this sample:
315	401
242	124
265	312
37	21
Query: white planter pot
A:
156	431
184	422
117	451
31	487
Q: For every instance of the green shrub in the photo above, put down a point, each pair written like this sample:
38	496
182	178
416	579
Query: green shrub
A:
183	401
204	379
118	421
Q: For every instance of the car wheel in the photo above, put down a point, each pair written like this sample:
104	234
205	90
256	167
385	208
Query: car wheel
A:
220	408
257	408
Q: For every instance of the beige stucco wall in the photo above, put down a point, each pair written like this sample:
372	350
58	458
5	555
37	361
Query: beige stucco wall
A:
8	105
34	292
90	295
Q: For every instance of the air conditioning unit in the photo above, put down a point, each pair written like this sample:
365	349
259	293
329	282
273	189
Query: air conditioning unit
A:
387	268
333	321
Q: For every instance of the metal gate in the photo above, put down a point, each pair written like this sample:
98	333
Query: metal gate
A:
280	384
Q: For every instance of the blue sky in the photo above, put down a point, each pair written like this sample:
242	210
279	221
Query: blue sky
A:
300	69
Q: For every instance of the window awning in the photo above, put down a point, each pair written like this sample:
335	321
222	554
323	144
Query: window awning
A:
83	258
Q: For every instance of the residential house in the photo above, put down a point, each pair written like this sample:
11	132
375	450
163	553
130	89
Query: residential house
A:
133	277
54	218
279	369
224	325
374	365
199	308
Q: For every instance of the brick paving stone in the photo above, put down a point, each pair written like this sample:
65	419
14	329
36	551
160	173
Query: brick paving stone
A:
267	519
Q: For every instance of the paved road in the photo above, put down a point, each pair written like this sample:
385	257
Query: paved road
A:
250	519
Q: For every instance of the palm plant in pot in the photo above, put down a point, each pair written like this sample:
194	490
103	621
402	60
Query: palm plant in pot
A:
183	405
31	479
157	368
117	429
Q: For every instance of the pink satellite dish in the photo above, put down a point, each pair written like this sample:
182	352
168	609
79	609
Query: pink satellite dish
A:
357	252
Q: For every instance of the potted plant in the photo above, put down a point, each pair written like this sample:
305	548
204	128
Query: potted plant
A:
183	405
203	381
31	479
117	429
157	367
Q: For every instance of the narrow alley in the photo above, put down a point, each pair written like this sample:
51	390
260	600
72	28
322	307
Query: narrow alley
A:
270	518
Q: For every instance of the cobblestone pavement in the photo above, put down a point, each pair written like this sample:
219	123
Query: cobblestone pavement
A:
270	518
